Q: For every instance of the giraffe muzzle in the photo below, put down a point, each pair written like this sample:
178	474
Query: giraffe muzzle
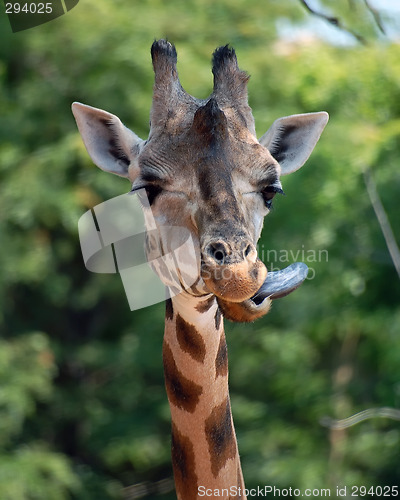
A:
232	272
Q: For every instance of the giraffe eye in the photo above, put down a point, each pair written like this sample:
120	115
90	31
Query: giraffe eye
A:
152	192
269	192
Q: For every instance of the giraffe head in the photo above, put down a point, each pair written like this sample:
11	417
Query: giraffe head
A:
203	168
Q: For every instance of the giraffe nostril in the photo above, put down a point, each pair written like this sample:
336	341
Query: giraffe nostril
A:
217	251
219	256
247	250
222	253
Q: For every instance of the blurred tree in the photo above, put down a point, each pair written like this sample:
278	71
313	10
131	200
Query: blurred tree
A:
82	404
359	18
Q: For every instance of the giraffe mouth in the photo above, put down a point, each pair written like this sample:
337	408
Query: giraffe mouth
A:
277	284
280	283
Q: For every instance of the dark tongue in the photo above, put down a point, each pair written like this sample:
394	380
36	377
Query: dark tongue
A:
281	283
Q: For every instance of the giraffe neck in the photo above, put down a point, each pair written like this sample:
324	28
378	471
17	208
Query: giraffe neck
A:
204	448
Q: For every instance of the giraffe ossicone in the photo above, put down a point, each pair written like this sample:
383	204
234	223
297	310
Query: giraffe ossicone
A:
203	169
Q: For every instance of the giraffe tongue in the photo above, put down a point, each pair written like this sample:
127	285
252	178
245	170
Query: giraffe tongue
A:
280	283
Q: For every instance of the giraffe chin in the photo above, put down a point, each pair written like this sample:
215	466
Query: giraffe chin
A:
234	282
276	285
243	312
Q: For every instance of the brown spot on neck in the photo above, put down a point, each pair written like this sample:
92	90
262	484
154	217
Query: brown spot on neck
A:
220	436
169	309
190	340
183	462
181	391
217	318
205	305
221	360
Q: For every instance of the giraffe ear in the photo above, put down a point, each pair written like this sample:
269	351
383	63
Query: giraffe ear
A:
291	139
110	144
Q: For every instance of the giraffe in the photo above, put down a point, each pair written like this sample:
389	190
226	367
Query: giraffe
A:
203	168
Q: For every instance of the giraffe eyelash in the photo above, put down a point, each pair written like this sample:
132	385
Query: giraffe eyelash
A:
137	188
269	192
152	191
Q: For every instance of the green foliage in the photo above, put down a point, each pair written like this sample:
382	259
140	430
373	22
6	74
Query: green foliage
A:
83	411
28	469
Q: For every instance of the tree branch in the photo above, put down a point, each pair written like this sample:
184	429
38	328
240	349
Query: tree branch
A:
382	219
385	412
376	16
334	21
